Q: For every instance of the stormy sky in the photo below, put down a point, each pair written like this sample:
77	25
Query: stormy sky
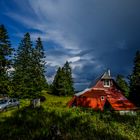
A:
93	35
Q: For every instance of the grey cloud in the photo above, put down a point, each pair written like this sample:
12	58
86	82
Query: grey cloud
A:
104	34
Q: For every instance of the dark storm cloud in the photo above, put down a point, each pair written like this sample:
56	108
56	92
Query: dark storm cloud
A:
93	34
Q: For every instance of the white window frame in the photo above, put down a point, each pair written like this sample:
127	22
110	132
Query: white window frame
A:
106	83
102	98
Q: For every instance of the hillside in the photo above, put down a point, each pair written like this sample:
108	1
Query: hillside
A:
54	120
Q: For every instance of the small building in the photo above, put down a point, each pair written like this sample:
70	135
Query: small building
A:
105	94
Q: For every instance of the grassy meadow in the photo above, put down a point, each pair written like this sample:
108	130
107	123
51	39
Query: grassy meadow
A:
55	121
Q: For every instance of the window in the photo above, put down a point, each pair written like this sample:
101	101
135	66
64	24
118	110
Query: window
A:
10	100
106	83
14	100
102	97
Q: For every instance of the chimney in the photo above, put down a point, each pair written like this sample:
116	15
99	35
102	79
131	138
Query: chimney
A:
109	72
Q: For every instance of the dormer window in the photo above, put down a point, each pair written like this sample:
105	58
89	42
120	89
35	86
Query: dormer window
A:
106	83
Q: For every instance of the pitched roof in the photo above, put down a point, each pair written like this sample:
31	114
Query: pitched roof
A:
114	97
82	92
105	75
93	93
119	102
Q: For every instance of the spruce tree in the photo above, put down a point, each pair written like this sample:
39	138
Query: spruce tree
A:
135	80
58	83
68	79
63	84
39	66
5	61
23	68
29	78
122	84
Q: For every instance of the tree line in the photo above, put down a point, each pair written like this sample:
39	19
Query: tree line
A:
22	72
27	79
132	89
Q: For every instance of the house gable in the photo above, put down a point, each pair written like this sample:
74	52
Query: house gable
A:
105	81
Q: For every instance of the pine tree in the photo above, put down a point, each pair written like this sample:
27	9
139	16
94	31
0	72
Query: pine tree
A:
122	84
58	83
39	65
5	61
23	68
29	67
29	78
63	84
135	80
68	79
22	77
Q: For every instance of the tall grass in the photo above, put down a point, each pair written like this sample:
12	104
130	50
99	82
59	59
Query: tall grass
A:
54	120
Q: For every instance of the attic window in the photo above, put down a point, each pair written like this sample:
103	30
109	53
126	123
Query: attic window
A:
106	83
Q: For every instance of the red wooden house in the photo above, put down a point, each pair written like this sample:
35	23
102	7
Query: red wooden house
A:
105	94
